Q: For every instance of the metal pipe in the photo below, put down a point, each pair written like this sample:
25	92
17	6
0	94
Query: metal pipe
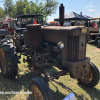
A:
61	14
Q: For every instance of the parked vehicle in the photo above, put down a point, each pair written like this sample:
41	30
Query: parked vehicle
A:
94	33
8	24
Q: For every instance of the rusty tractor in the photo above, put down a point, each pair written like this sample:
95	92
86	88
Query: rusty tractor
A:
63	47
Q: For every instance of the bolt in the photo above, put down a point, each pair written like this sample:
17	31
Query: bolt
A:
84	66
76	71
81	73
76	67
82	44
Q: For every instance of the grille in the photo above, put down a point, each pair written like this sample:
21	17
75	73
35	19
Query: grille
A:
74	49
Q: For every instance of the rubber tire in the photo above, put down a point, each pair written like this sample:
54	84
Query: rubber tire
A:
17	45
43	87
10	57
98	44
95	80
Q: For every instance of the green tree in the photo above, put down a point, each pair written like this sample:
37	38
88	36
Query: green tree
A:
25	7
47	8
20	6
1	12
50	7
8	6
13	12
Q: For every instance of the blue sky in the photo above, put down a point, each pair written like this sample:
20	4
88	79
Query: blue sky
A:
87	7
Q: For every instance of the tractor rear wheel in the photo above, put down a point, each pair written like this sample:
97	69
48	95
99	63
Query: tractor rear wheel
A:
40	90
8	59
92	78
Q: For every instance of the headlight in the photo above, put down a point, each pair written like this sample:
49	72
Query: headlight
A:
61	45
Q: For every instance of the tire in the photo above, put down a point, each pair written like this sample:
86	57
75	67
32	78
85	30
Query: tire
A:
44	92
93	77
8	59
17	45
98	43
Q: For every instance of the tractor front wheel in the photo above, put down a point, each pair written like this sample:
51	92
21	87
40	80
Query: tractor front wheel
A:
92	78
8	59
40	90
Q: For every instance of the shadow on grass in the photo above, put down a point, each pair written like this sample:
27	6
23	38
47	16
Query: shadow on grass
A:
92	43
93	92
17	84
62	96
20	83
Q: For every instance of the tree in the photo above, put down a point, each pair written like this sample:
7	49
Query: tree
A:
25	7
13	12
8	6
20	6
37	7
50	7
1	12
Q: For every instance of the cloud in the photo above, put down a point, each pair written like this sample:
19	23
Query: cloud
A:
91	6
97	14
86	6
91	10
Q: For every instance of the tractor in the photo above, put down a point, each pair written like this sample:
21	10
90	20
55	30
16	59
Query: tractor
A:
94	33
46	46
8	24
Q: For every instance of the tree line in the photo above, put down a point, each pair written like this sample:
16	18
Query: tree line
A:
46	7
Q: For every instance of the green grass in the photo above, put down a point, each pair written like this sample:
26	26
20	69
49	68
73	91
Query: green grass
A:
60	88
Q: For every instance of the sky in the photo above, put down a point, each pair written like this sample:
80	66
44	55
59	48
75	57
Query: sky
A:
87	7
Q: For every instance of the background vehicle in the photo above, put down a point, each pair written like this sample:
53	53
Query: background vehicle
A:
7	24
94	33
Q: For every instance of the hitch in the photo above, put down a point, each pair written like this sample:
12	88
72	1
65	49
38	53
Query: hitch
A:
55	75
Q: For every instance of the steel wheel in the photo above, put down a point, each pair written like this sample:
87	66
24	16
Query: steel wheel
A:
40	90
87	78
92	78
36	93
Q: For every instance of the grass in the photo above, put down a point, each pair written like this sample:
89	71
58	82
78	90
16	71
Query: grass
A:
60	88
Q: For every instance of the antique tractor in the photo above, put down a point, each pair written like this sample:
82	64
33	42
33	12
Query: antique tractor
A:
63	47
8	24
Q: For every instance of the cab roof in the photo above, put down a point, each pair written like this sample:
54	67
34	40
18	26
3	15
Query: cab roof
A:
28	15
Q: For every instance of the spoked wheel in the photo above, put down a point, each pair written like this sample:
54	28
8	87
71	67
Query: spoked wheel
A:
8	59
92	78
40	90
